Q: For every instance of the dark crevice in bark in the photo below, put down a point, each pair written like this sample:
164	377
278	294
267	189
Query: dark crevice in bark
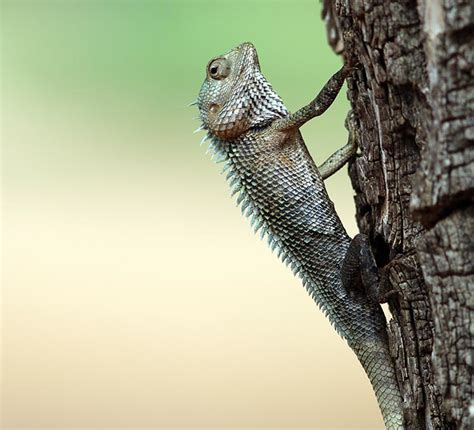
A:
463	35
443	210
382	250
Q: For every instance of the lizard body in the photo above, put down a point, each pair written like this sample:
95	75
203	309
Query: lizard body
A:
282	190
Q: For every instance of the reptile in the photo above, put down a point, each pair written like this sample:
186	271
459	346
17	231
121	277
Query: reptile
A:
282	190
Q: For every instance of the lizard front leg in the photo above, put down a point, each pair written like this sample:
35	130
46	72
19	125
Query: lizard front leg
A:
319	105
344	154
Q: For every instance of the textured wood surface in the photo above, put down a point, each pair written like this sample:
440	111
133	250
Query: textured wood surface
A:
413	99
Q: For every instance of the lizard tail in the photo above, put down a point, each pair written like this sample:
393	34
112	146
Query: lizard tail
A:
376	361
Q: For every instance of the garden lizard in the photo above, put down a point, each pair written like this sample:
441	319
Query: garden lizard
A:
282	190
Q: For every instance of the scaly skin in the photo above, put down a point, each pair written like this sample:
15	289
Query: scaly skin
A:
280	187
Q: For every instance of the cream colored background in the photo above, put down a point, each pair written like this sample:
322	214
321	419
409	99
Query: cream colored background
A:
133	292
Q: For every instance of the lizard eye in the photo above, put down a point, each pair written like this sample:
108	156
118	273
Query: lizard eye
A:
219	69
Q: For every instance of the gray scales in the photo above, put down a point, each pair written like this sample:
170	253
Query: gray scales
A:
280	188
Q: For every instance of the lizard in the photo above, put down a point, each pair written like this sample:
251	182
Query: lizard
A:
282	190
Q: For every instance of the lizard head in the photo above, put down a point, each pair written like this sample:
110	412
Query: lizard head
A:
235	96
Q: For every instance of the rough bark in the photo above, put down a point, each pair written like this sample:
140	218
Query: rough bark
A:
413	96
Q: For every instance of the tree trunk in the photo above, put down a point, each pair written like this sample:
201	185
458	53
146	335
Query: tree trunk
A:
413	96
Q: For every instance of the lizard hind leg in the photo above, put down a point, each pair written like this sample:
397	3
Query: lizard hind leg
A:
359	270
360	275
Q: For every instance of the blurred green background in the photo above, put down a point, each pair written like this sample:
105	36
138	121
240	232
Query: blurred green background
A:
137	64
134	294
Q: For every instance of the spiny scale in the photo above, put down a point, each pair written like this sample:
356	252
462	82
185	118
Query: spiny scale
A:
243	200
206	137
200	128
